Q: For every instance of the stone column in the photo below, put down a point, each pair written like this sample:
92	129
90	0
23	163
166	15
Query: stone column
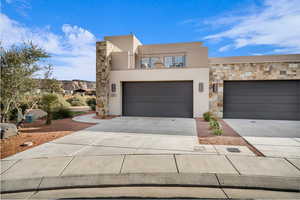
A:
103	68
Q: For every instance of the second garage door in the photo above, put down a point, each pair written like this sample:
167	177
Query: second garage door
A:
158	99
262	99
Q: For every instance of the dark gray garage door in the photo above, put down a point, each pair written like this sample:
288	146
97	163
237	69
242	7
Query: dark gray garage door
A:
158	99
262	99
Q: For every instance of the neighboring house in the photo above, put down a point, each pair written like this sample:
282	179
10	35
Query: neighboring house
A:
179	80
78	87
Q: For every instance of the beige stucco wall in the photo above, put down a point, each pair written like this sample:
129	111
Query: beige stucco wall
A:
200	99
120	60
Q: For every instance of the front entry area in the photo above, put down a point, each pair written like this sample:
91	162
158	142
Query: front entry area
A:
277	100
158	99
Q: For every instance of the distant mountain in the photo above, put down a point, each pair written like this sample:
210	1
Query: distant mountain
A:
71	85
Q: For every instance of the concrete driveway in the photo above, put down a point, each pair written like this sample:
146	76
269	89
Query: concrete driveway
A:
124	135
274	138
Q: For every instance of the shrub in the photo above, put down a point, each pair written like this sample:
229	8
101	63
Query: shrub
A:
91	102
207	116
49	102
62	113
77	100
62	103
218	131
214	124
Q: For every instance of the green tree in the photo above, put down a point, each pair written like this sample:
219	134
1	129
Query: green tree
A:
49	103
19	65
49	84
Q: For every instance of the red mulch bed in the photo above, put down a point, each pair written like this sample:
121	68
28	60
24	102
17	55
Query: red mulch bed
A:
229	136
39	133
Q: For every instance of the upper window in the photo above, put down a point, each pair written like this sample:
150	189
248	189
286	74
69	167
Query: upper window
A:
149	62
174	61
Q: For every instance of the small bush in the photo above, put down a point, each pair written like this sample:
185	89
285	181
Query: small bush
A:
62	103
207	116
62	113
218	131
214	124
77	100
91	102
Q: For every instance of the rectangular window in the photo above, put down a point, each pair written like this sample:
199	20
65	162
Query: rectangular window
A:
149	62
145	62
179	61
168	61
174	61
153	60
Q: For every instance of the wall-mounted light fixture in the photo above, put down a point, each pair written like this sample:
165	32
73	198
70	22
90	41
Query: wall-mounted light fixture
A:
113	87
201	87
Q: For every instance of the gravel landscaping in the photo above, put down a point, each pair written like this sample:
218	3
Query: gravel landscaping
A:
229	136
39	133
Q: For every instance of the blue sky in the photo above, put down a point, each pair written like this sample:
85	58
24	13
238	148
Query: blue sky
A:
68	29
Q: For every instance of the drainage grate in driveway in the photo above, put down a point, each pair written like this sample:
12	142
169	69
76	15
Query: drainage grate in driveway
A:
233	150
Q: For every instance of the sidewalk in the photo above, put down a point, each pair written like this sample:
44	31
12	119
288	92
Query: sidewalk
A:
144	170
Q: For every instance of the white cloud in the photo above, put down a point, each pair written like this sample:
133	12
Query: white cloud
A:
278	24
73	52
225	48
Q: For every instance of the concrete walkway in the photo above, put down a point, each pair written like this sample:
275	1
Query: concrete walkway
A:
174	169
87	118
274	138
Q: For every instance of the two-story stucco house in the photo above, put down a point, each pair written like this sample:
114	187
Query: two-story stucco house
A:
180	80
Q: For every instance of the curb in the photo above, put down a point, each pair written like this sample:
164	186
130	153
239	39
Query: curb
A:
152	179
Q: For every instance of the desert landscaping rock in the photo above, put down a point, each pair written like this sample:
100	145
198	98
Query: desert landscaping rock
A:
35	113
204	164
149	164
94	165
248	165
27	144
32	168
7	130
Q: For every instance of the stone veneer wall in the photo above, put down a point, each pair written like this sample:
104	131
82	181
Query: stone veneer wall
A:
103	68
246	71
